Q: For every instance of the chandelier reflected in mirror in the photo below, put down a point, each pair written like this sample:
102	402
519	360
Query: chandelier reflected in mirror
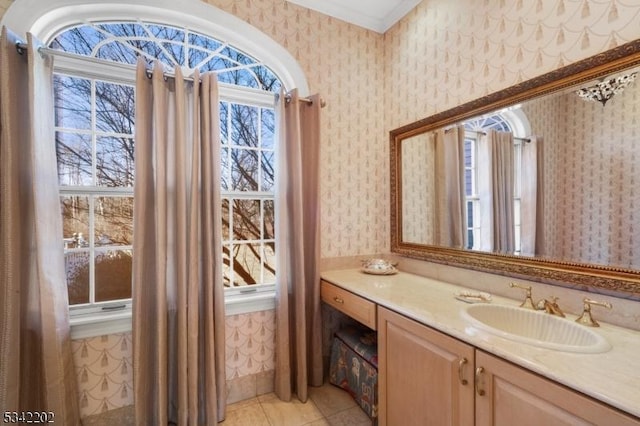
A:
604	90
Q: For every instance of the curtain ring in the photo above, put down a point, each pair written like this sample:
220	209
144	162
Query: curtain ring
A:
20	47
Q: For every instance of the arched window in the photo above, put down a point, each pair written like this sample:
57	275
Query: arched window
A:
95	127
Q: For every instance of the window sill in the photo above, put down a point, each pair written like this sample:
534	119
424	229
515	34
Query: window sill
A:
100	324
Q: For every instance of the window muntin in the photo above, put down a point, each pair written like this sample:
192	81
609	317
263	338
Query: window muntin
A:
95	127
125	41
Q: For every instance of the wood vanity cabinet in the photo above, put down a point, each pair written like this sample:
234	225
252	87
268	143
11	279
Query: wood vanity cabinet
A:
358	308
515	396
424	377
428	378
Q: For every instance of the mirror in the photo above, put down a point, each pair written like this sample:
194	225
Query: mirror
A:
575	168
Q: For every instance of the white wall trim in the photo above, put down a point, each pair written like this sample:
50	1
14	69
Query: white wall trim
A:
101	323
44	19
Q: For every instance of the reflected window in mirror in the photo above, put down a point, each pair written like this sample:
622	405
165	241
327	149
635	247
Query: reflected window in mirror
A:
514	121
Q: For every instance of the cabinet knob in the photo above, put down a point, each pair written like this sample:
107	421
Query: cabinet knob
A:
461	365
479	372
338	300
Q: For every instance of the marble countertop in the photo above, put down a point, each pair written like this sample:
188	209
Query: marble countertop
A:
612	377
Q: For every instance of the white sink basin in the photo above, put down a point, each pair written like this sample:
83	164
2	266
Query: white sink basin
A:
535	328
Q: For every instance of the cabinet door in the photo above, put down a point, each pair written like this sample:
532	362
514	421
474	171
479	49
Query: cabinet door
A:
425	377
514	396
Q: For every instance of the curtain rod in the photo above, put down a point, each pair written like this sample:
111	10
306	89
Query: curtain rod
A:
515	137
480	132
21	48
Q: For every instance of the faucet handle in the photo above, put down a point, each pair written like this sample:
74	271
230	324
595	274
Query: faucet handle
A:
528	301
586	318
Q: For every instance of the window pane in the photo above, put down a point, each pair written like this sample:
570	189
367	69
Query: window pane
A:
267	128
75	221
246	264
113	275
225	219
226	266
224	116
244	122
470	215
269	267
197	57
80	40
77	268
244	170
114	161
269	222
113	221
176	52
267	171
72	102
267	80
203	41
115	108
239	77
246	219
225	171
117	52
74	159
166	33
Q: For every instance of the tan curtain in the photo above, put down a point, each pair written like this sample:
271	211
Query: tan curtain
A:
532	207
496	191
298	329
178	294
451	223
36	364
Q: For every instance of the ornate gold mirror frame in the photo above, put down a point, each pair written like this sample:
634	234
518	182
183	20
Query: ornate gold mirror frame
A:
601	279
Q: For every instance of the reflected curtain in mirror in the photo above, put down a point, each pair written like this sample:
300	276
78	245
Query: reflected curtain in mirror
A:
532	198
496	191
450	214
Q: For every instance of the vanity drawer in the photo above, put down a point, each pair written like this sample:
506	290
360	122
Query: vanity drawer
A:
356	307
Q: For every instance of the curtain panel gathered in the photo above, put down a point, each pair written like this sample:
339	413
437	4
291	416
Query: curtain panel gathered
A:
450	208
36	364
298	330
178	294
532	207
496	191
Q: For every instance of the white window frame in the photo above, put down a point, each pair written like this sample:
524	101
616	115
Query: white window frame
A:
88	320
45	19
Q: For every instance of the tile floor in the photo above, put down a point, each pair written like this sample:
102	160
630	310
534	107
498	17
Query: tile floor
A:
327	405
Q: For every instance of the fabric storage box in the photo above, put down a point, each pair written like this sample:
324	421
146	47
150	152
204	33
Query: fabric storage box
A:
354	366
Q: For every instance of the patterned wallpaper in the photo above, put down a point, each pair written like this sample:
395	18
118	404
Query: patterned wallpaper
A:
595	216
445	53
105	373
250	343
441	54
104	363
418	189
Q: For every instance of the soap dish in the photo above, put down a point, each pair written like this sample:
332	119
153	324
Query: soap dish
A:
389	270
470	297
